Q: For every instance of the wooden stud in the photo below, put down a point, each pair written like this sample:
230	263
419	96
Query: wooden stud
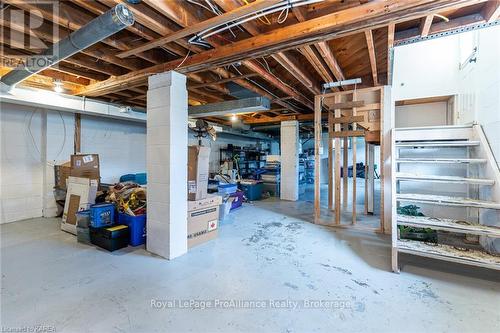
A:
77	143
425	25
371	54
337	167
348	105
345	163
348	134
390	51
354	169
331	193
317	157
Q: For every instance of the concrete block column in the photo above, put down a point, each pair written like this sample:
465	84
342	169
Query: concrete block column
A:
167	140
289	186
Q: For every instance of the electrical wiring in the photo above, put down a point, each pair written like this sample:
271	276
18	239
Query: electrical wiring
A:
183	60
282	7
264	20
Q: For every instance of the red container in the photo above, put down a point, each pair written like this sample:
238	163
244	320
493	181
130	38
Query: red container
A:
238	199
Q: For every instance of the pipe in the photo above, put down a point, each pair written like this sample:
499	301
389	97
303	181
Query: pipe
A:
103	26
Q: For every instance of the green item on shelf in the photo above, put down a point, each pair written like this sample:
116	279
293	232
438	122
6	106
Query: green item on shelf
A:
419	234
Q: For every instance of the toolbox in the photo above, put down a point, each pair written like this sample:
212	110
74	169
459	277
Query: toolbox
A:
110	238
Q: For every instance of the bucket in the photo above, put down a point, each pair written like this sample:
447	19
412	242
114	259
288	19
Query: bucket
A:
136	226
102	215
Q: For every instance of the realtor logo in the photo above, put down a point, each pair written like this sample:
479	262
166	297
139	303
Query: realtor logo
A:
29	27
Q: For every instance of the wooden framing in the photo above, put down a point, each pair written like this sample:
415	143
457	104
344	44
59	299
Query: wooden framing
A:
345	124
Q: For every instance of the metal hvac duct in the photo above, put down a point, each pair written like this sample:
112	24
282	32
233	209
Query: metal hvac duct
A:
103	26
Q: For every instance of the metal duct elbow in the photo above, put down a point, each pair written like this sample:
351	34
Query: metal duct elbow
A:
103	26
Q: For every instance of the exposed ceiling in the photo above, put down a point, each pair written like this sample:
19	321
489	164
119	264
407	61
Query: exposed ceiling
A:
285	56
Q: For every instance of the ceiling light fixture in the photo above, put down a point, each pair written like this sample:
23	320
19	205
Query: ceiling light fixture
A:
234	118
58	86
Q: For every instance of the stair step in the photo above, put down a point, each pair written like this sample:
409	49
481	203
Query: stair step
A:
433	144
449	253
446	200
447	225
443	179
442	160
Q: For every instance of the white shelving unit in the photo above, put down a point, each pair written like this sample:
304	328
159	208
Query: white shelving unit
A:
423	141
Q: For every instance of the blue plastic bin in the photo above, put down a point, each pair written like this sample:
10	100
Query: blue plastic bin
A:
136	226
227	188
102	215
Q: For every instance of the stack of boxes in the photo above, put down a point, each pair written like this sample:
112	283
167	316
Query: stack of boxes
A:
203	209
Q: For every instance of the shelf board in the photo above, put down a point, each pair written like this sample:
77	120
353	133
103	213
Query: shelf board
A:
446	201
436	144
443	179
447	225
449	253
442	160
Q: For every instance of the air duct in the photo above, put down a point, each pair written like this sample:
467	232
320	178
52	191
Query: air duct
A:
246	105
109	23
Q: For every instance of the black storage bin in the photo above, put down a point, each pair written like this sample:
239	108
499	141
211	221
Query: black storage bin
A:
110	238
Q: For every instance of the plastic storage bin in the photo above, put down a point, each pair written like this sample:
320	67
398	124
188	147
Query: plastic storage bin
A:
252	191
83	218
102	215
227	188
136	226
83	235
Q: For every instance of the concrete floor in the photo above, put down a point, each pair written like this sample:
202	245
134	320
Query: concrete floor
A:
265	251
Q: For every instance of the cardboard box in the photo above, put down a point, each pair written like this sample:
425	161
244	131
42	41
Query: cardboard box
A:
203	220
85	166
80	195
198	160
61	174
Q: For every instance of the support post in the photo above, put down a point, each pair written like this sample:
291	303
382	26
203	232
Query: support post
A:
337	166
289	185
167	140
77	144
317	158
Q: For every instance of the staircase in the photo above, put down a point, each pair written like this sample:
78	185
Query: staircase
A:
450	173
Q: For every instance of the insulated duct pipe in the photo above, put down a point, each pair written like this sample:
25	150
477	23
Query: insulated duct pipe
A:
103	26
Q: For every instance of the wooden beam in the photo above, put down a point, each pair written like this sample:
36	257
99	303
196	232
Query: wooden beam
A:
327	54
425	25
390	51
77	144
197	27
277	83
347	105
297	71
347	134
344	22
371	54
336	167
318	133
310	54
491	10
230	79
348	119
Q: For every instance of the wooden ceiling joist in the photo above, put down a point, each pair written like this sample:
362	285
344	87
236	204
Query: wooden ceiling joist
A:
199	26
328	26
371	54
491	11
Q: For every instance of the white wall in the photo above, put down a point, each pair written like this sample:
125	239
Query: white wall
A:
30	146
428	114
28	151
121	146
21	165
432	68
